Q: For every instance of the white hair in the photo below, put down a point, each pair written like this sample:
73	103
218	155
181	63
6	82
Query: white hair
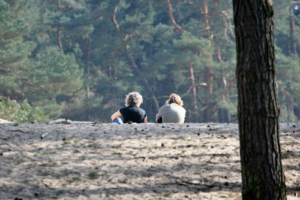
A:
133	98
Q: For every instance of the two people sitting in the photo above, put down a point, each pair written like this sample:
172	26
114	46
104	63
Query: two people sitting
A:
172	112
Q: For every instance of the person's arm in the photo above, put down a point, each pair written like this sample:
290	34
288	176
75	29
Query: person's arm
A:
145	119
160	113
183	114
115	115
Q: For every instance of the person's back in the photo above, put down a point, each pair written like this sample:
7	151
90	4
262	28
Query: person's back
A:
172	112
133	114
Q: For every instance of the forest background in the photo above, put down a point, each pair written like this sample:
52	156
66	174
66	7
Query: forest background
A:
77	59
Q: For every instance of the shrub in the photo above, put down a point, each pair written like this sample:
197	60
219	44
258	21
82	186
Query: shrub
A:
19	112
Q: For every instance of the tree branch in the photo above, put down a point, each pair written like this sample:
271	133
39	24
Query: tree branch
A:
199	99
172	18
196	85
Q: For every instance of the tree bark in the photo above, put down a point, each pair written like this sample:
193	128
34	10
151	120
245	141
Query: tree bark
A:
132	62
258	105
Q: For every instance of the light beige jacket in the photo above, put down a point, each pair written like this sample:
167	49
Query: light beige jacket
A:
172	113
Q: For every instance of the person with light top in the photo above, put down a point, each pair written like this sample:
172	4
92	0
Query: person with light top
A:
132	113
172	112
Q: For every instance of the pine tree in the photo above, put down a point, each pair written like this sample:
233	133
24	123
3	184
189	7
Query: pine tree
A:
209	73
287	52
48	78
258	105
66	25
12	48
206	80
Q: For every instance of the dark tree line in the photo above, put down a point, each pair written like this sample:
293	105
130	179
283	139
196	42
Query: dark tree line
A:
78	59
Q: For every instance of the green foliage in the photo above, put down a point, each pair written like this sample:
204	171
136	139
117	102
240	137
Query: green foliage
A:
158	50
90	79
287	63
49	75
22	112
288	76
12	48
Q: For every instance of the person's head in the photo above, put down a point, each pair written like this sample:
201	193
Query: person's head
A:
174	98
133	99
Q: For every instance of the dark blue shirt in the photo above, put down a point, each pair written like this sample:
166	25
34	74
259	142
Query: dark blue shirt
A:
133	114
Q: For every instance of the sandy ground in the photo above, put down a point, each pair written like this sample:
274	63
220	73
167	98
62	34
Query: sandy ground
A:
136	161
4	121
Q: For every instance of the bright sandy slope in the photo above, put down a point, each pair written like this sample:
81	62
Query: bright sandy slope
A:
136	161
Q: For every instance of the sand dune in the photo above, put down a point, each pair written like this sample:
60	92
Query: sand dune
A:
136	161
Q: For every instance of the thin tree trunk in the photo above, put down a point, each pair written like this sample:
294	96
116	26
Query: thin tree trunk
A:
292	32
205	13
59	39
218	55
110	74
209	111
223	114
88	69
59	31
132	62
289	103
193	91
290	110
258	105
172	18
208	80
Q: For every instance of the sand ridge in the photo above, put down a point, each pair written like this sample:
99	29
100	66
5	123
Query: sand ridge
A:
2	121
130	161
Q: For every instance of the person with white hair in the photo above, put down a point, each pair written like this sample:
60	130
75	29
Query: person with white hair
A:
132	113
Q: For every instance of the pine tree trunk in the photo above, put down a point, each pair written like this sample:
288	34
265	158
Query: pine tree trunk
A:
88	69
258	105
209	111
223	114
289	103
59	39
172	18
193	91
292	32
